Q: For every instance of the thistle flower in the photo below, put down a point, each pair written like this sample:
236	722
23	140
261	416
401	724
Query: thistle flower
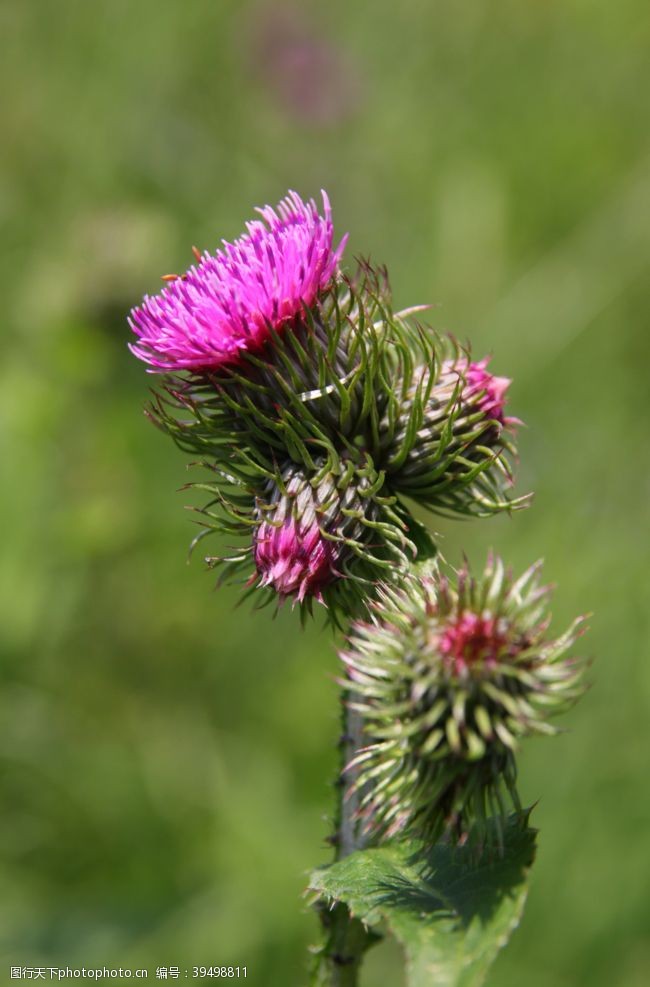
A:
447	681
446	441
325	383
231	302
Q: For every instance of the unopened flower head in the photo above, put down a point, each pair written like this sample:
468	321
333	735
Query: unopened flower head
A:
448	443
327	534
230	303
294	551
306	528
448	679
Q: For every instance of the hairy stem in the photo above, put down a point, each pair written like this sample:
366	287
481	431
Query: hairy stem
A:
349	838
345	938
338	959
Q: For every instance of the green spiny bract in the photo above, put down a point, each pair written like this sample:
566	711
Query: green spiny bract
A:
445	440
447	681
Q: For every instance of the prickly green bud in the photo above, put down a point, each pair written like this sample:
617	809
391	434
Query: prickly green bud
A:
448	679
448	443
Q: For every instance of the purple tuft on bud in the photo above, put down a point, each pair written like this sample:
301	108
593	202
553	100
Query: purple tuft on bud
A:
231	302
294	559
306	526
470	640
491	390
447	443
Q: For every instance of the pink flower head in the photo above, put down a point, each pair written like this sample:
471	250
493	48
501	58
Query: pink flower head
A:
228	303
492	401
470	641
296	560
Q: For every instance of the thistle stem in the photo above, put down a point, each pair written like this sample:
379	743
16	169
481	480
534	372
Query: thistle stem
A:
345	938
338	959
351	741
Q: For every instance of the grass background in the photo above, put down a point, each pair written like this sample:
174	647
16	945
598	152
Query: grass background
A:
165	760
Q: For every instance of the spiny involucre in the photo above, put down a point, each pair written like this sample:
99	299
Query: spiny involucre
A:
448	678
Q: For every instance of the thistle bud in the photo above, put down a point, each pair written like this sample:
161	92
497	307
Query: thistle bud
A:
315	531
302	533
447	681
448	444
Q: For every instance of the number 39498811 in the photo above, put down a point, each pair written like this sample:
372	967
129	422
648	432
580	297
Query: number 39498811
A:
226	972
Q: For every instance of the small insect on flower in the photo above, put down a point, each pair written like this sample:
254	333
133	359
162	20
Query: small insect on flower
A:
447	681
233	301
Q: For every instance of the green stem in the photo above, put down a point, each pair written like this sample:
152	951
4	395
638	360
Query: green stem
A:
337	961
349	838
346	939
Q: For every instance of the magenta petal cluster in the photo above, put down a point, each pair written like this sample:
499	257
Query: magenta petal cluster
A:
229	302
472	639
492	401
296	560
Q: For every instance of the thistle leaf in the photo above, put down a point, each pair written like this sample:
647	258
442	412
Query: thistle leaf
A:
451	908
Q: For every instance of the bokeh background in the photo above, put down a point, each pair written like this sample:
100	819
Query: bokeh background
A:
165	759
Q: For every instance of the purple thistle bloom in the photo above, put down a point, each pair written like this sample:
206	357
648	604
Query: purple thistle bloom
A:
229	302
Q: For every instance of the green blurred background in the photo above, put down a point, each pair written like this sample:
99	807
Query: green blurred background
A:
166	760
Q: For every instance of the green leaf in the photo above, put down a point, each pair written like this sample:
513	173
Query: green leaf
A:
451	908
